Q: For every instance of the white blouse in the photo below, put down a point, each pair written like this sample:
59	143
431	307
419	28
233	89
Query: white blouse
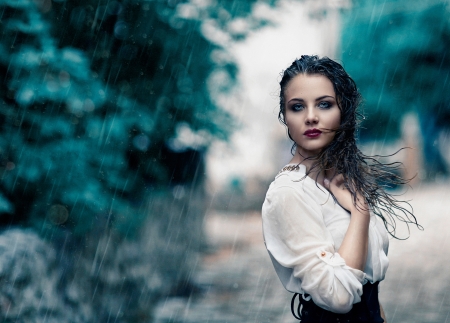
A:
303	229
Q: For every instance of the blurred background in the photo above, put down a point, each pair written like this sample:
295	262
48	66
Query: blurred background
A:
138	139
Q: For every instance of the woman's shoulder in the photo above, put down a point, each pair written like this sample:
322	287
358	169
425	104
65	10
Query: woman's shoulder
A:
292	182
293	189
292	179
292	198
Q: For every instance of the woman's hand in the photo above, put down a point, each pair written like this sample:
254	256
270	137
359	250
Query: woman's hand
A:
338	188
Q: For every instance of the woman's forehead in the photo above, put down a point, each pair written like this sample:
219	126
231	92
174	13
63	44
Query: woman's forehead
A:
309	86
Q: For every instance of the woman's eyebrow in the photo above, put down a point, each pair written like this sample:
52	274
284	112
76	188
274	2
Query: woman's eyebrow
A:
296	99
324	96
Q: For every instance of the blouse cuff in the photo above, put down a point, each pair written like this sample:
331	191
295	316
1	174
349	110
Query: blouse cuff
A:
333	259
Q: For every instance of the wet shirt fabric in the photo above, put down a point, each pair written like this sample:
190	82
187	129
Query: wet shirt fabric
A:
303	229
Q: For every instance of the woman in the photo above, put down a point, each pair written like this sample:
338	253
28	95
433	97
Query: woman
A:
323	214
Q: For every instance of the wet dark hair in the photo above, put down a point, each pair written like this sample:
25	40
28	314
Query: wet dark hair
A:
362	174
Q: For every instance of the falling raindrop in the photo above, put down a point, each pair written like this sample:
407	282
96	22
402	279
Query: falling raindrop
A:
58	214
141	142
178	192
121	30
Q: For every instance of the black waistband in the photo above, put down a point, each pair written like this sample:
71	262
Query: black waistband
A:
368	310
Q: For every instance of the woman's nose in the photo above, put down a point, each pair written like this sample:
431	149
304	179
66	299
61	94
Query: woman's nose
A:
311	117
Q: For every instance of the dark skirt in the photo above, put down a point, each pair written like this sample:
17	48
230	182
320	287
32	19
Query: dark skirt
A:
368	310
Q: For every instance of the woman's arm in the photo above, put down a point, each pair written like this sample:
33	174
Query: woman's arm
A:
356	240
298	240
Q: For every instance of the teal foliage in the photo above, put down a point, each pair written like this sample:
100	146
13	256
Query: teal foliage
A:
398	54
92	91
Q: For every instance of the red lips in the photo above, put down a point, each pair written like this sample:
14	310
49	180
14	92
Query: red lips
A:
312	133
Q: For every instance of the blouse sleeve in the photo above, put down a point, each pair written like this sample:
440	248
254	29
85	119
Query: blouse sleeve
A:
296	237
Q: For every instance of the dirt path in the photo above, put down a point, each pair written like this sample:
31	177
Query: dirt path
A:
241	285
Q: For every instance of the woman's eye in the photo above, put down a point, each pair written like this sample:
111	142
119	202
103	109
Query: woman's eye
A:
325	105
297	107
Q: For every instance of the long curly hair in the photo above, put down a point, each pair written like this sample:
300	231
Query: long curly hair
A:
364	175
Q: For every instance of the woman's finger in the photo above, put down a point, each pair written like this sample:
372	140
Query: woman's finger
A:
338	180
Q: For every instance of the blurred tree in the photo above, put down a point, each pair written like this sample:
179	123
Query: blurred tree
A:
398	53
106	109
99	97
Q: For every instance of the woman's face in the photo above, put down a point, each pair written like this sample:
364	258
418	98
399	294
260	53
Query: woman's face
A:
311	112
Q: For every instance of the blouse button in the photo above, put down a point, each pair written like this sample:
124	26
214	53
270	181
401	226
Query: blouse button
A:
323	253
